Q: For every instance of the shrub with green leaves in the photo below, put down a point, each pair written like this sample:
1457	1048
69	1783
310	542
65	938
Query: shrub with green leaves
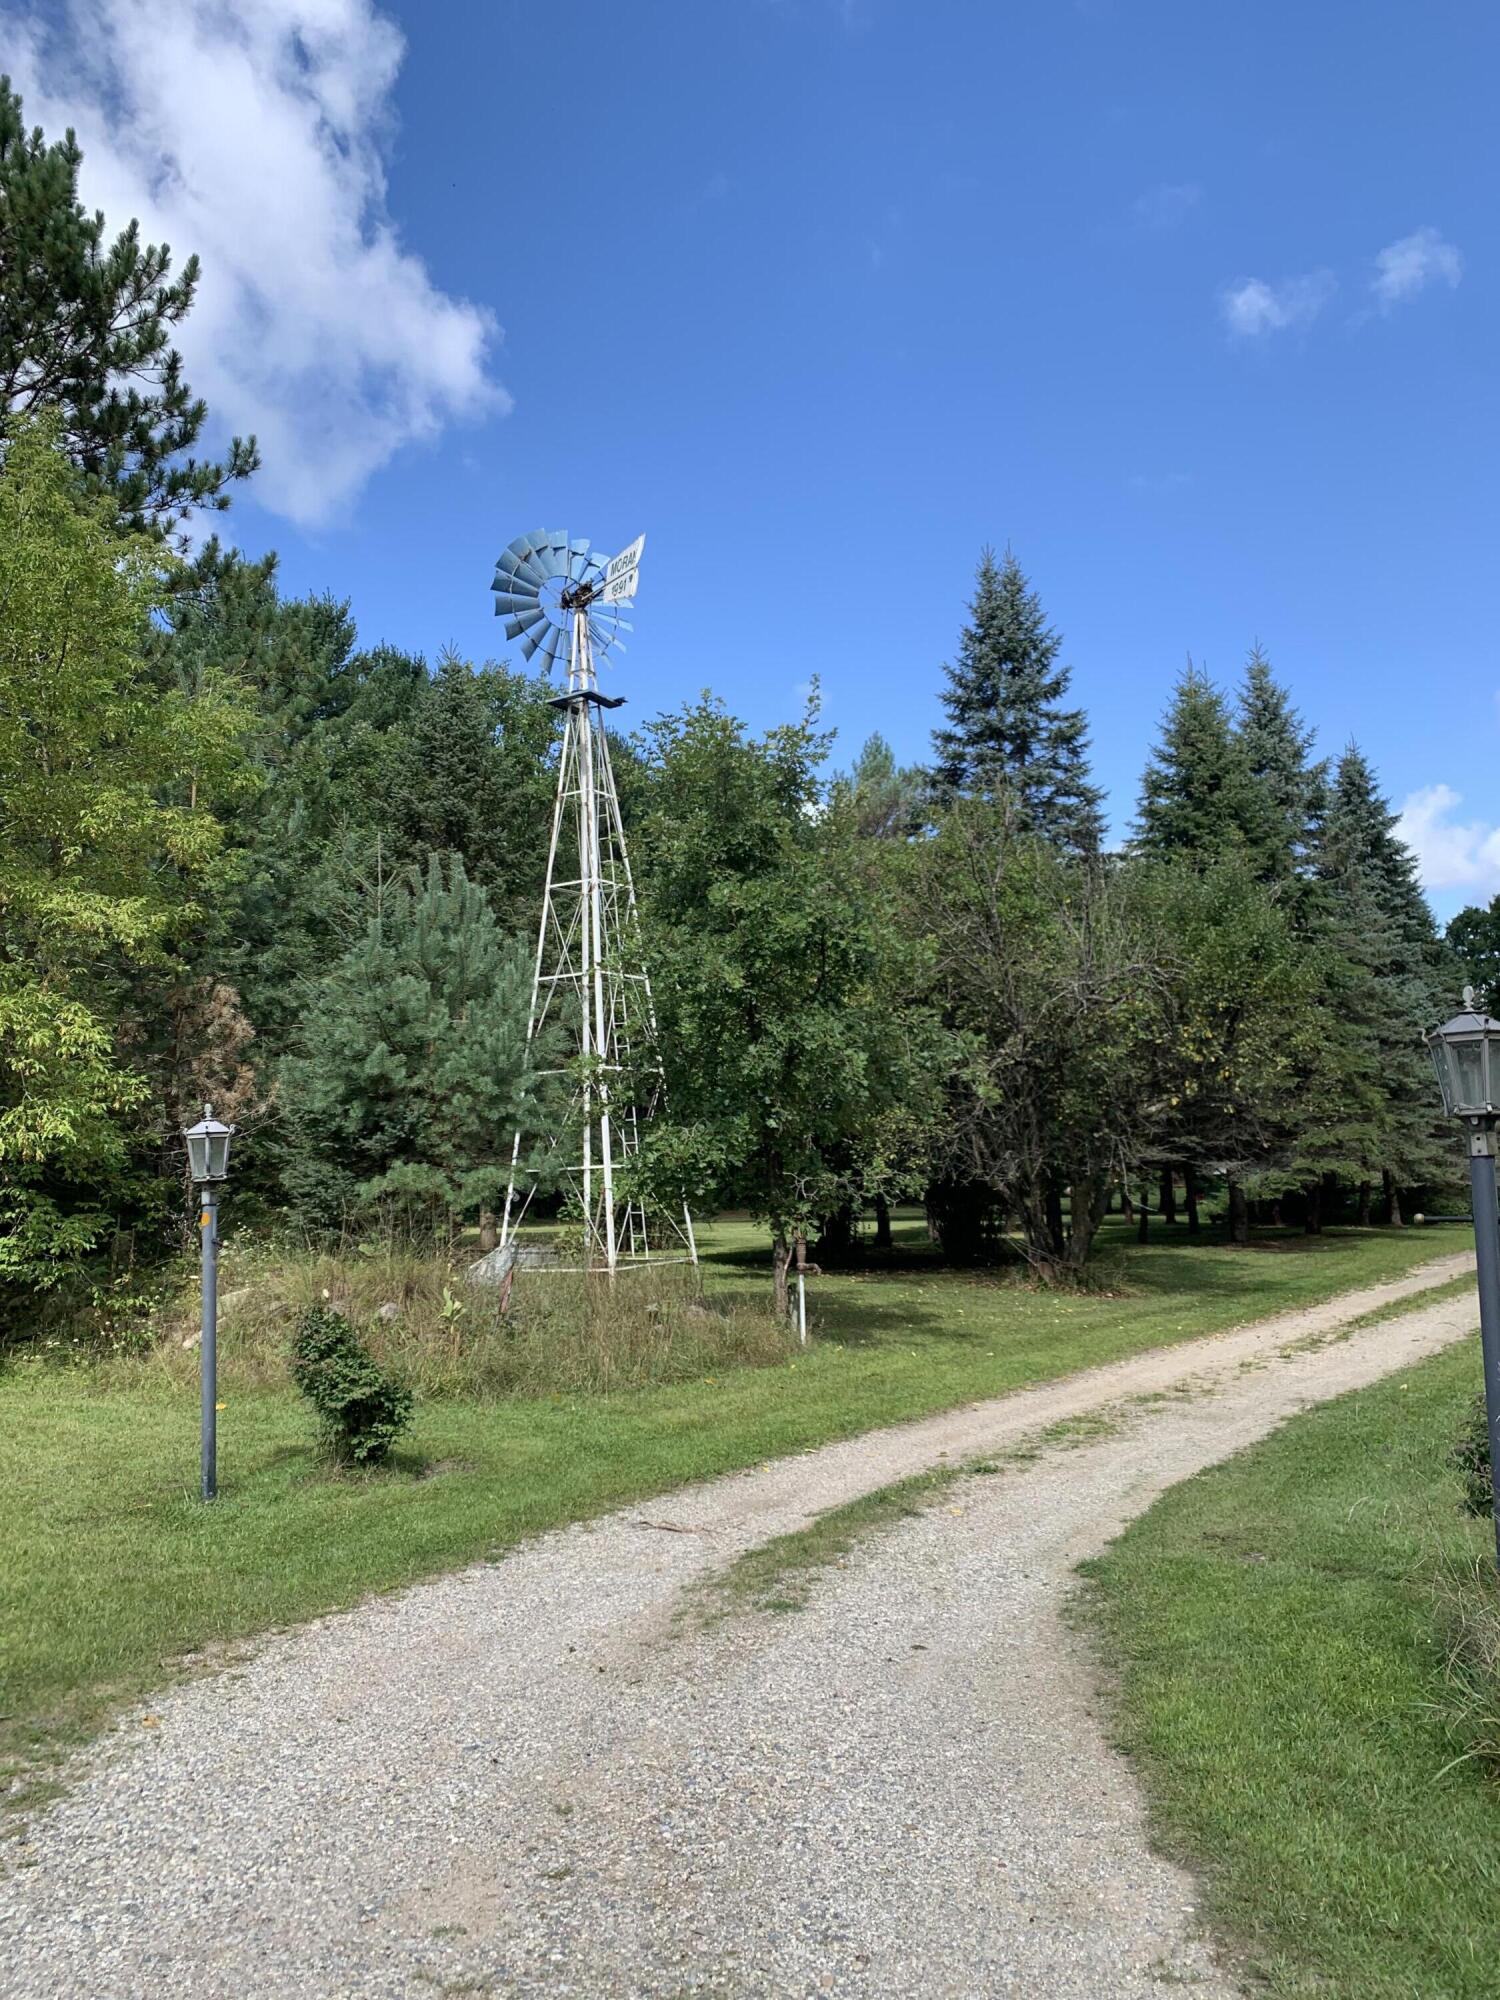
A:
1471	1454
361	1408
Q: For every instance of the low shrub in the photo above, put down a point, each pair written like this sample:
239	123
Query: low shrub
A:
1471	1454
362	1408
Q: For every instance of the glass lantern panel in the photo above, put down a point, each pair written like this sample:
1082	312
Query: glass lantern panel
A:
197	1146
1469	1066
1447	1083
218	1155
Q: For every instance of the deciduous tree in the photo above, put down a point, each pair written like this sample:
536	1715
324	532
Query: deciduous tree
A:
106	834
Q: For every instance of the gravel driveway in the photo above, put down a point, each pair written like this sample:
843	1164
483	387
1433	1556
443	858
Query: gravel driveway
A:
531	1778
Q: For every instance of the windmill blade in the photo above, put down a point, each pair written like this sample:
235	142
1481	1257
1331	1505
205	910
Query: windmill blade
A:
548	649
515	628
512	597
517	582
521	567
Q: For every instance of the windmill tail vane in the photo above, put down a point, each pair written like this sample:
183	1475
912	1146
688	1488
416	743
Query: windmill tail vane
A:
590	991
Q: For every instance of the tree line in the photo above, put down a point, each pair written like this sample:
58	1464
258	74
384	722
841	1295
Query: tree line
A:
245	858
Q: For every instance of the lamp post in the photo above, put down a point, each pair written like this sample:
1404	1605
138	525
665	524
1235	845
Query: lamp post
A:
1466	1055
208	1163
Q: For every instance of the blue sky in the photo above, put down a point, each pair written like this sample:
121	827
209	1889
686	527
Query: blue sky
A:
1194	306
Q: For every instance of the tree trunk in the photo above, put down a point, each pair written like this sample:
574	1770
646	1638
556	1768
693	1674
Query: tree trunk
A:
1363	1216
1055	1218
1090	1201
1143	1216
489	1236
836	1235
882	1223
1393	1213
1312	1224
781	1257
1276	1221
1190	1197
1239	1216
1127	1206
1168	1195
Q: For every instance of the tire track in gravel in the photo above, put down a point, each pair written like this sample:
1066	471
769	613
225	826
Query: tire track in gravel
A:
522	1780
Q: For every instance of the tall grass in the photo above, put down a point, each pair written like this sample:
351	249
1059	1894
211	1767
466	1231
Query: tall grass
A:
1468	1604
564	1332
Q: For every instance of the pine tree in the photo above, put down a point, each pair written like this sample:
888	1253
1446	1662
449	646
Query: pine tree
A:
472	776
890	799
1197	796
1008	733
85	328
413	1069
1287	787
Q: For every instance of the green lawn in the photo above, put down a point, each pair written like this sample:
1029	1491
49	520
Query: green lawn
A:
1280	1652
110	1569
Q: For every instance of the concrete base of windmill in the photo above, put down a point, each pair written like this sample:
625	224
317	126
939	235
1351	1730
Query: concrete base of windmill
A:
496	1264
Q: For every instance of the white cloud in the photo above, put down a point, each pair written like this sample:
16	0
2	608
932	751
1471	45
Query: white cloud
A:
1251	306
254	136
1451	853
1165	206
1411	264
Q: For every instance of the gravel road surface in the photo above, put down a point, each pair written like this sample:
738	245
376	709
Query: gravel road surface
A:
533	1778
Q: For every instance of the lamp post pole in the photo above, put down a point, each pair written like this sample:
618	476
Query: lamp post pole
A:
1487	1259
208	1358
1466	1055
208	1164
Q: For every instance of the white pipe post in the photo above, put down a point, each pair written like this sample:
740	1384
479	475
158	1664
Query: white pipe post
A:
536	970
602	1037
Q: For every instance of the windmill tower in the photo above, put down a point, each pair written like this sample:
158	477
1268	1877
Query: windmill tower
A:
589	985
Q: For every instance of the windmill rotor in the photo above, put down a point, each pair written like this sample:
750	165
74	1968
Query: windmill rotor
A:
542	580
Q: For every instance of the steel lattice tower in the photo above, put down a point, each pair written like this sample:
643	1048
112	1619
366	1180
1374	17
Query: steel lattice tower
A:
590	984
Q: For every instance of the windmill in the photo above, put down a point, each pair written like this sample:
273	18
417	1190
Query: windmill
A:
563	602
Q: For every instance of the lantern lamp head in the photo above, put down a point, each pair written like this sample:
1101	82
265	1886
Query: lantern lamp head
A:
1466	1055
208	1148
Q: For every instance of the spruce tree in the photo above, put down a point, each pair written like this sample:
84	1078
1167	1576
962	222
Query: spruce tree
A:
1375	918
85	328
1197	796
1008	733
1287	786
